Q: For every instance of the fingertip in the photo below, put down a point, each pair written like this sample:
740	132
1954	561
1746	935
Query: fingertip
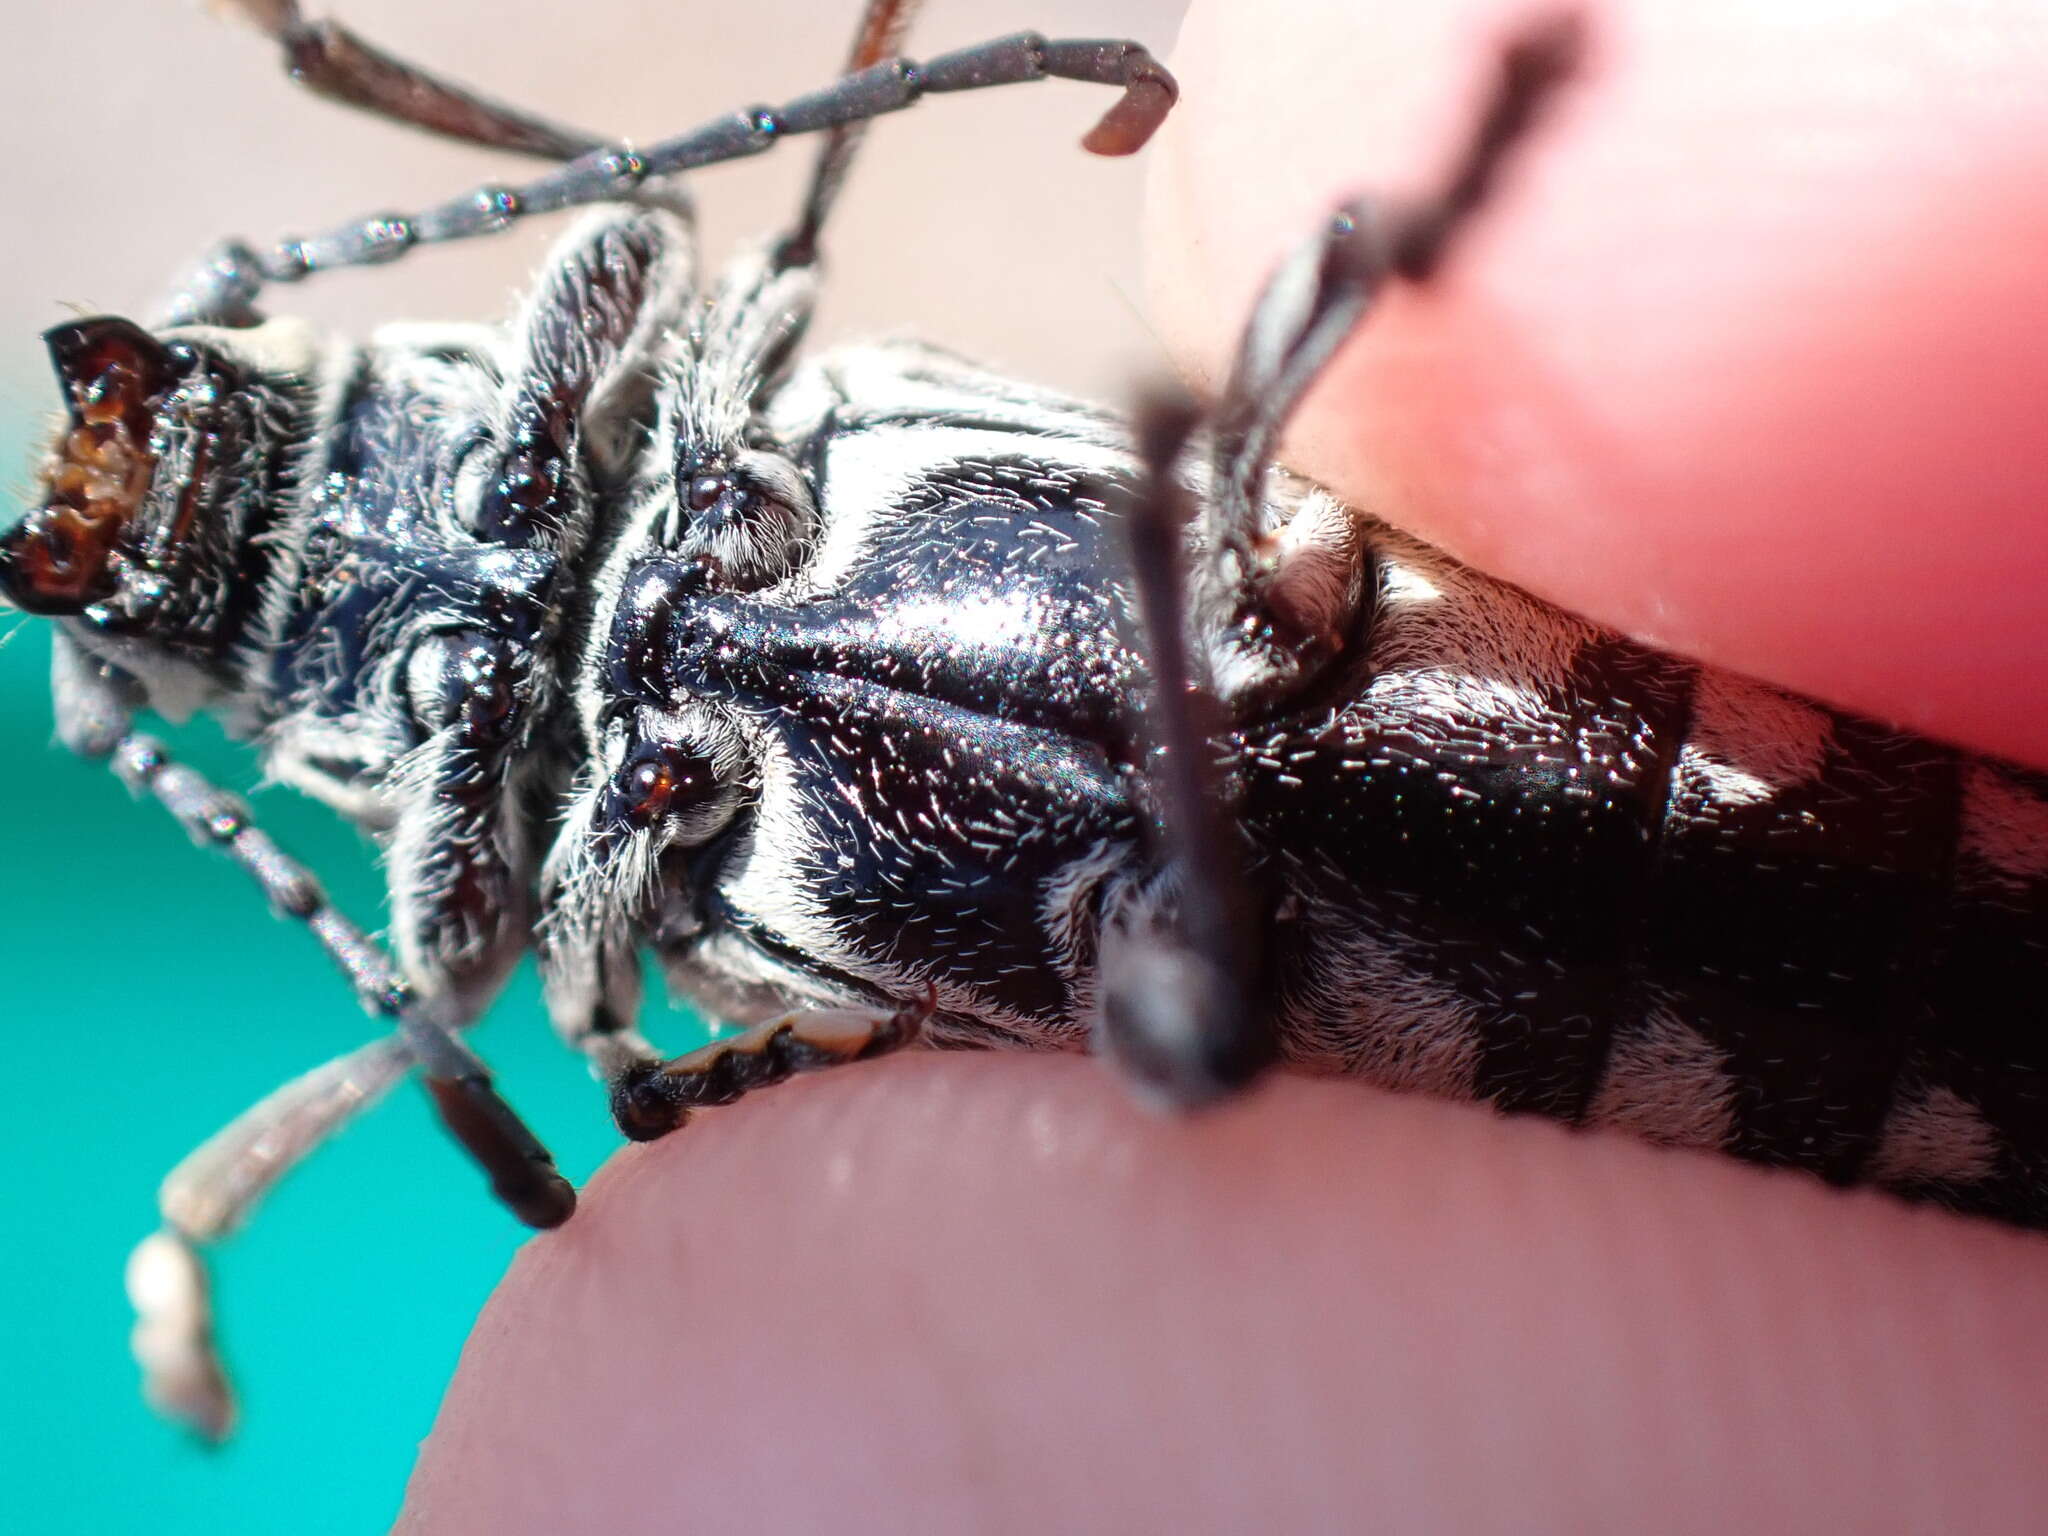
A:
986	1293
1743	360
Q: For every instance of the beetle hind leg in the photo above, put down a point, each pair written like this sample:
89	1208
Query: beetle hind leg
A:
1179	1005
1275	583
1180	1023
1323	289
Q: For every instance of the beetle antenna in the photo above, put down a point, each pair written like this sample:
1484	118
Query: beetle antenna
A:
224	288
343	66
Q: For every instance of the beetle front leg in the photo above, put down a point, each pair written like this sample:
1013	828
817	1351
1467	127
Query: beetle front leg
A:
654	1098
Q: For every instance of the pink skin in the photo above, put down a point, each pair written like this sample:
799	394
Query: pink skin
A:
1746	361
1763	274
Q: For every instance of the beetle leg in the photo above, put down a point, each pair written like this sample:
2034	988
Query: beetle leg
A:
651	1100
207	1197
883	25
1149	93
1180	995
1180	1009
1322	291
602	1026
522	1173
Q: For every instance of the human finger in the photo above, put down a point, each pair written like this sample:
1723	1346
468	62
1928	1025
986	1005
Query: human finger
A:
1746	360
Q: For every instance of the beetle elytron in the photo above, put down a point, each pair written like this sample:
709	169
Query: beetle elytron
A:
881	699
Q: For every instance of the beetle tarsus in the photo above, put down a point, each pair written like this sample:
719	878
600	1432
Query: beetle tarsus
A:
651	1099
643	1105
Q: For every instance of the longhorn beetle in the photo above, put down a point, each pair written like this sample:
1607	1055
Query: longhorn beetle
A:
884	700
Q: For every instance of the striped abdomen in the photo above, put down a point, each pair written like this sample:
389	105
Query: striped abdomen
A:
1534	864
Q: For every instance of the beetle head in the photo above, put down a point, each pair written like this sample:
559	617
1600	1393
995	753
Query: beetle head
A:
162	468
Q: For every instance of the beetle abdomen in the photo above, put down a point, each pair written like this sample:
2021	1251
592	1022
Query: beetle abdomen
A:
1544	867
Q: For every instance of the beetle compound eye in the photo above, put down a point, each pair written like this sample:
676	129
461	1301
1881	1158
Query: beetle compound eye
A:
651	785
658	781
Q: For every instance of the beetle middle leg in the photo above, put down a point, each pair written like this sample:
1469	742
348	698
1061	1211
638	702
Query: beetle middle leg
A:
654	1098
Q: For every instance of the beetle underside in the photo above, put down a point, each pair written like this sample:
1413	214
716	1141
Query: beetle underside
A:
882	700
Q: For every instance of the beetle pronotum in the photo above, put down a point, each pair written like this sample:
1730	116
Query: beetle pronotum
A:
882	700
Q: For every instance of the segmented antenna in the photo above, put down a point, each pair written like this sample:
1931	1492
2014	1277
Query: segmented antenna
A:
224	288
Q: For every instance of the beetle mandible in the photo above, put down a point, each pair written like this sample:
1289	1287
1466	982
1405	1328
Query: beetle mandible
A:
885	700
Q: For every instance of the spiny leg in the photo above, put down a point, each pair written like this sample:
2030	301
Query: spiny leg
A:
207	1197
654	1098
332	61
521	1172
1322	291
225	287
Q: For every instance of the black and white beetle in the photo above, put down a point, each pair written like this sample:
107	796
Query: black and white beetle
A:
885	700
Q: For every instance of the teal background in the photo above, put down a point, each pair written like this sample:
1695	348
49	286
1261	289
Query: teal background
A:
148	998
